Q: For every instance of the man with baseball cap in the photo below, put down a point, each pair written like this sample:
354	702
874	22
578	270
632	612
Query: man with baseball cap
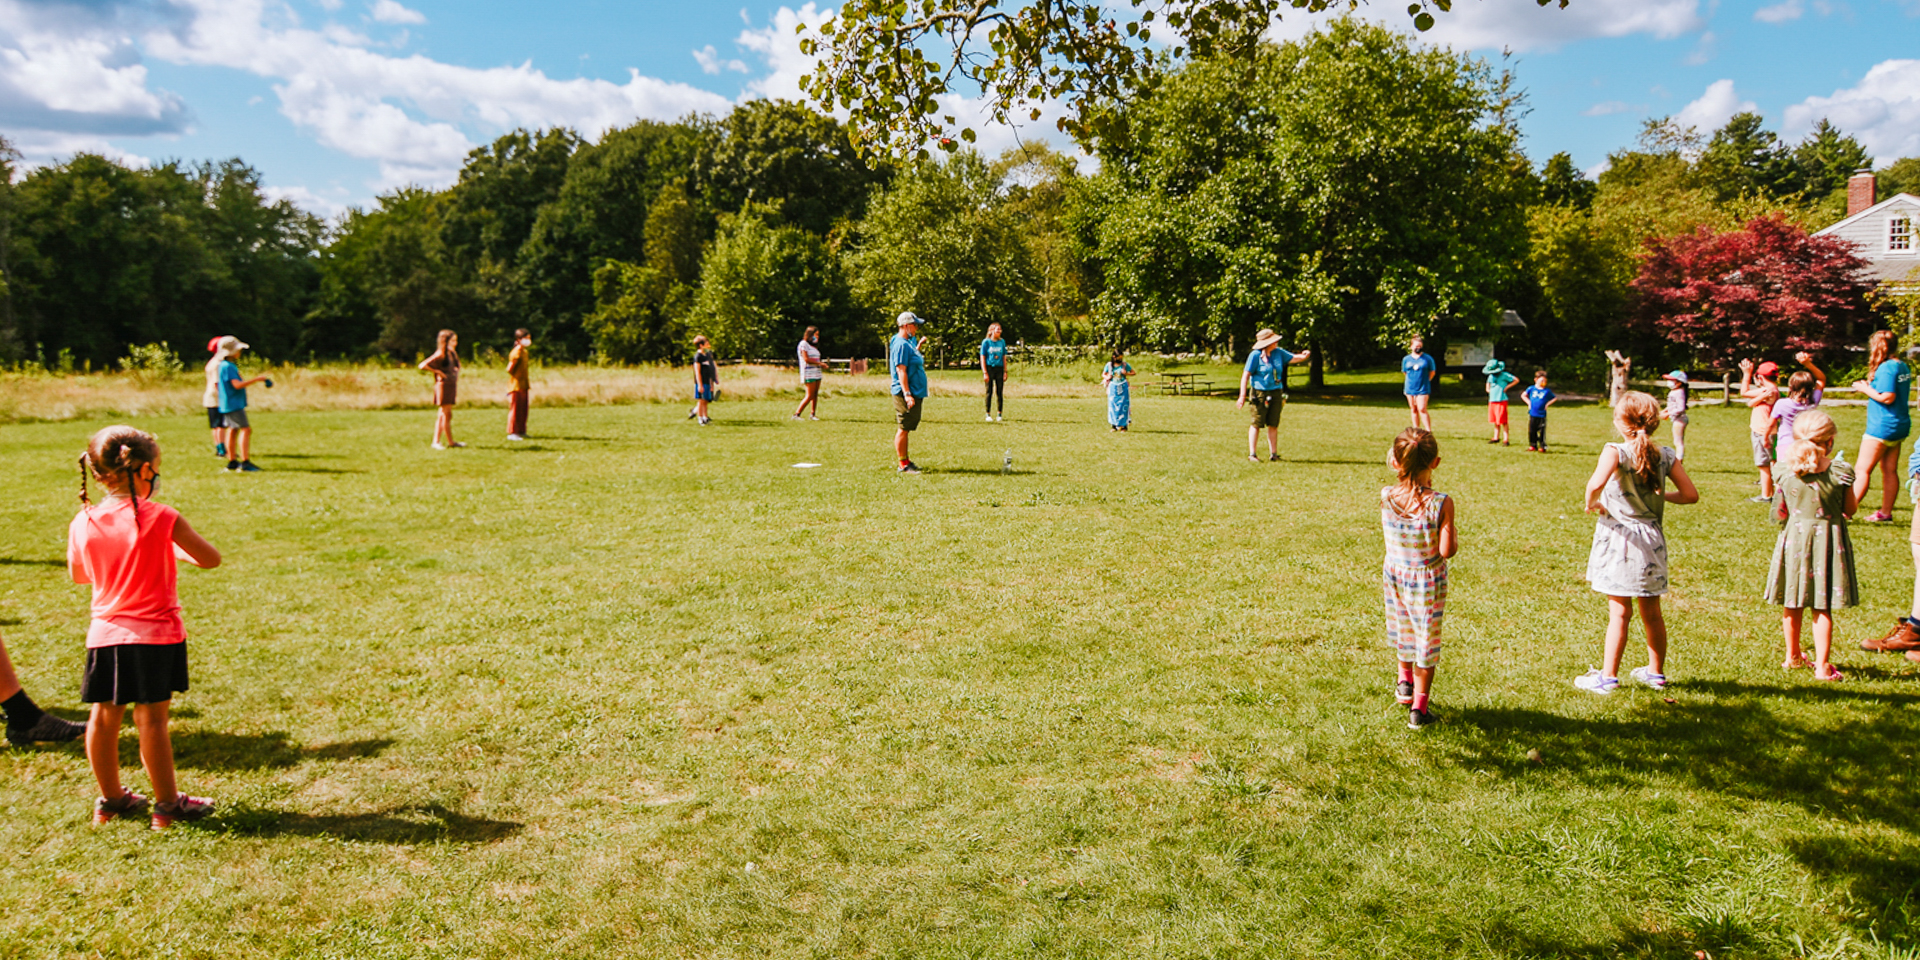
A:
1760	391
1264	382
909	385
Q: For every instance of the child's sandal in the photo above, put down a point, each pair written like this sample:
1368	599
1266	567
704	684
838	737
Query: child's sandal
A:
1796	663
1832	676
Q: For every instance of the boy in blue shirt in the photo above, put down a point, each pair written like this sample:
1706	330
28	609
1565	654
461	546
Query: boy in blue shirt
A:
233	407
1539	398
909	385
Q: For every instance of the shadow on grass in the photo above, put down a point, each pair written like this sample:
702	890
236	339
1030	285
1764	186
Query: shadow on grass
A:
299	469
1882	875
413	823
23	562
215	750
1507	940
1849	767
981	471
1333	462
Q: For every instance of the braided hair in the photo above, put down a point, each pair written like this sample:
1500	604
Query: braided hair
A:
118	452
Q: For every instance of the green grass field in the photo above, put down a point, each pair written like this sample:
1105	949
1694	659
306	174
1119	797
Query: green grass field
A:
641	689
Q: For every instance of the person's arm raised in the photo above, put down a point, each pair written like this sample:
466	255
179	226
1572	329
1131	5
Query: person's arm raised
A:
1683	491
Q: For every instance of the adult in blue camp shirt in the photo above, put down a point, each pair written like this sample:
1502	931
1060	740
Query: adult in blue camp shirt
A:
1419	370
993	369
1263	383
909	385
1888	422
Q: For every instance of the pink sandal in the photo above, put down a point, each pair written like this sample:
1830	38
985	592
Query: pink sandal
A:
1833	675
1880	516
1796	663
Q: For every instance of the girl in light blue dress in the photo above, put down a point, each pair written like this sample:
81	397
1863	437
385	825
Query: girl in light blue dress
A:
1119	396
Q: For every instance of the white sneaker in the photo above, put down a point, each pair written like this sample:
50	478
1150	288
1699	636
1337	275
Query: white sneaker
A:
515	436
814	419
1594	682
1000	419
1646	677
989	418
437	445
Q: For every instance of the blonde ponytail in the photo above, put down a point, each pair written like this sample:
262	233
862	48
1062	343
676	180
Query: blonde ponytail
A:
1813	434
1636	416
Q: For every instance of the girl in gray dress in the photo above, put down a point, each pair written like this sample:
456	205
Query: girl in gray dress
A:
1629	559
1813	558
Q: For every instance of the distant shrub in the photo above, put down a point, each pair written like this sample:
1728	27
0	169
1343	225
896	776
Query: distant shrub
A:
152	362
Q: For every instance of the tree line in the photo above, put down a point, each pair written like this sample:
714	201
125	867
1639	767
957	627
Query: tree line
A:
1346	189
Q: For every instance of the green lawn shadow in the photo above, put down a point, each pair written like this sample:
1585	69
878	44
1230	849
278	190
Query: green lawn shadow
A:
407	824
217	750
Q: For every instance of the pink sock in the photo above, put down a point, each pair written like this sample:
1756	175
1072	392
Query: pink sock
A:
1420	701
1406	672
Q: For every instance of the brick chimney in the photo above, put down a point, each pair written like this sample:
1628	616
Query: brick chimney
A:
1860	191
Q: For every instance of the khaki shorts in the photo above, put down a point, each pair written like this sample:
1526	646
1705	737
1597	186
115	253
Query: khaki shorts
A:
1762	449
908	417
1265	406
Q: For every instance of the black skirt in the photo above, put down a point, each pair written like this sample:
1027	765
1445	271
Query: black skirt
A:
134	673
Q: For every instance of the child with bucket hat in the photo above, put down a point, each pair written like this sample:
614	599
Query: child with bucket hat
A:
1498	382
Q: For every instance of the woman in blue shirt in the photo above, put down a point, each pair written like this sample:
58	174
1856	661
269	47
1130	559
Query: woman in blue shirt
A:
993	370
1888	422
1263	382
1419	370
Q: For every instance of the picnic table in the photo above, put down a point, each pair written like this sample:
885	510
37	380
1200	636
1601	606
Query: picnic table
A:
1184	383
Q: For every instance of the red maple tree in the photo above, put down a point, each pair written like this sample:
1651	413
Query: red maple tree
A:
1765	289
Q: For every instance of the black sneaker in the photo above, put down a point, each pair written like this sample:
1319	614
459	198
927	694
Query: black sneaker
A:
233	466
246	466
1418	719
49	729
909	467
1403	692
1274	459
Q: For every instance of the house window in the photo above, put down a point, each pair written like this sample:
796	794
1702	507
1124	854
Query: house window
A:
1900	233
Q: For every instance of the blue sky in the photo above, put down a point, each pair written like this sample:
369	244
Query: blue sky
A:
335	101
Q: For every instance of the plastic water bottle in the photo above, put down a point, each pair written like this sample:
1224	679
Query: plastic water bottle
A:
1006	463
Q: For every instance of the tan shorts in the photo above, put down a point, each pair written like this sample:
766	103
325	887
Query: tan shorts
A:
908	417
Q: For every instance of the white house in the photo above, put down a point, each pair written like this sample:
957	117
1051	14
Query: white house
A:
1885	233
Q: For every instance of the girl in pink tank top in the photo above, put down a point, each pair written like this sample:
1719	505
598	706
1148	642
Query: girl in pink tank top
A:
125	547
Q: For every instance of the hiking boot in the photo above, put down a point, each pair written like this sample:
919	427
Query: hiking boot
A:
1903	637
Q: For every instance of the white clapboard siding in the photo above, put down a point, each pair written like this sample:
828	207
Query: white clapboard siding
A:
1870	229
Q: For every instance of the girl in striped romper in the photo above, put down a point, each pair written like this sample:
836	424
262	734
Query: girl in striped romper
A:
1418	525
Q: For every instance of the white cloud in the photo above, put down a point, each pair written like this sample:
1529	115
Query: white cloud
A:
778	43
388	11
307	200
1606	109
710	62
1714	108
1704	50
1524	25
1882	111
1780	12
66	83
410	114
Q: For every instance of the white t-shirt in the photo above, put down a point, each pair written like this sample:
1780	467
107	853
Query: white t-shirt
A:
211	398
810	366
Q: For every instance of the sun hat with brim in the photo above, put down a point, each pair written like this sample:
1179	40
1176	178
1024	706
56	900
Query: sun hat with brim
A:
1767	369
1677	376
1265	339
906	318
231	345
1494	366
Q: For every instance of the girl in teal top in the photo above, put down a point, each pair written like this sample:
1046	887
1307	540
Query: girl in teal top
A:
993	370
1119	395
